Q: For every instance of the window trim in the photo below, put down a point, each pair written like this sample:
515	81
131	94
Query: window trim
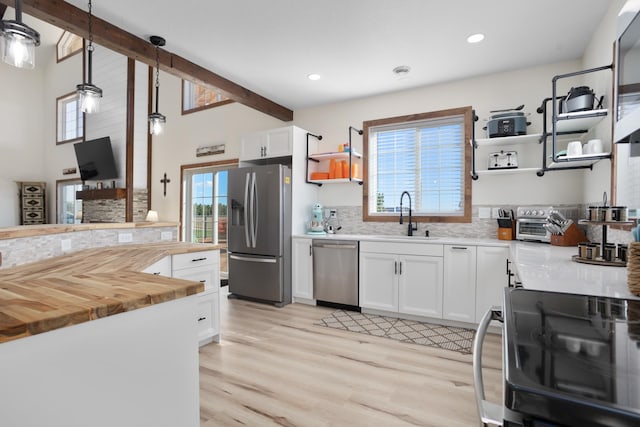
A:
75	52
84	122
204	107
467	112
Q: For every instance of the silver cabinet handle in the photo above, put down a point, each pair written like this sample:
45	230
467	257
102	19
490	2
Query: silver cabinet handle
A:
310	250
459	248
490	413
198	259
401	267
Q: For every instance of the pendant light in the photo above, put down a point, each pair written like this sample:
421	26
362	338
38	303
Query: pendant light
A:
157	120
18	42
88	93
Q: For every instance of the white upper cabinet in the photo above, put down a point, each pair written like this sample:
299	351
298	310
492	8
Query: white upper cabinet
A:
267	144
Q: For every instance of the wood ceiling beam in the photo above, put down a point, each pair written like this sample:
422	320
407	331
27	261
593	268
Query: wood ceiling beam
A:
68	17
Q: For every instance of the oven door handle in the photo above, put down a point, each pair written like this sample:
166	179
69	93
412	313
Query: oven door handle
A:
490	413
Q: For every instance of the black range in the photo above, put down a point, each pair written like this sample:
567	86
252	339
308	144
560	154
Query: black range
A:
571	360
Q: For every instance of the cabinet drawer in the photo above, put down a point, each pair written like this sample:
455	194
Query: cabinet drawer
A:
417	248
210	259
207	312
160	268
204	274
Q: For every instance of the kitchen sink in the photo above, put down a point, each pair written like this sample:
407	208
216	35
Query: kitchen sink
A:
396	237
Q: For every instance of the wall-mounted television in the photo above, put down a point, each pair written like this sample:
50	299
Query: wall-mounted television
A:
95	160
627	72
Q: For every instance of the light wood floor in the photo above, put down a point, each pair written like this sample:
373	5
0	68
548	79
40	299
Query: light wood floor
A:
275	367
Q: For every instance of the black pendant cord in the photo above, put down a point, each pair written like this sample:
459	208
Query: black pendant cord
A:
157	77
90	47
18	11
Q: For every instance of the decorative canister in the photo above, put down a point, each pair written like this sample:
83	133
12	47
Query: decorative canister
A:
592	212
619	213
582	250
593	251
604	212
622	252
609	253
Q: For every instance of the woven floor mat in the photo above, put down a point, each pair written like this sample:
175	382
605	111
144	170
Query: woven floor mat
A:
446	337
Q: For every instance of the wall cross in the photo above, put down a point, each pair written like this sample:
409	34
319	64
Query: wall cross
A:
165	181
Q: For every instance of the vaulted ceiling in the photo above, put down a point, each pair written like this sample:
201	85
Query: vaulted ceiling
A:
269	47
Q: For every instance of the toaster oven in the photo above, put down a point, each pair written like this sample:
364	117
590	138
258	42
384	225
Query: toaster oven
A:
530	223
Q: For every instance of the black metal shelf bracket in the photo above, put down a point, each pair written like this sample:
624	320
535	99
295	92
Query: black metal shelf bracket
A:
359	131
474	174
319	138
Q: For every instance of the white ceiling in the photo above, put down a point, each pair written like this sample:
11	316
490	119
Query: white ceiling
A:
271	46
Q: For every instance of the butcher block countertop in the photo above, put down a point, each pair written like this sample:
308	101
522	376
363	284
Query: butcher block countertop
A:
87	285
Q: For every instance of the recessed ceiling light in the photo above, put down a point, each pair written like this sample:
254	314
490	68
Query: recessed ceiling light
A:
401	70
313	76
475	38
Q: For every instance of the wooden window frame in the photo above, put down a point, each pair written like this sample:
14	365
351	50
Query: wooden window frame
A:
204	107
468	123
75	52
84	122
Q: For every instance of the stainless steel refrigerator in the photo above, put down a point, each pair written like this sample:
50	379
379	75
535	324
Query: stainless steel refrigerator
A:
259	233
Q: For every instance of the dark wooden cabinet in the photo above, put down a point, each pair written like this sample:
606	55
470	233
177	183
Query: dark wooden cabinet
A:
33	203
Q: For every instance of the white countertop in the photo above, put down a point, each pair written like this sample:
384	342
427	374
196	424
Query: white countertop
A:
539	266
550	268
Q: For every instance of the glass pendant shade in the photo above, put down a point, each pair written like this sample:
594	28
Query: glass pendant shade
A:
89	98
156	123
18	44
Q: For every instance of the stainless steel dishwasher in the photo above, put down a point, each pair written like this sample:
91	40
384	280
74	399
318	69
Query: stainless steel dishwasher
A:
335	271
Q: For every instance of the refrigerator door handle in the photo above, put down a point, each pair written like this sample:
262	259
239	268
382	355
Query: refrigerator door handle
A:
246	211
254	210
244	258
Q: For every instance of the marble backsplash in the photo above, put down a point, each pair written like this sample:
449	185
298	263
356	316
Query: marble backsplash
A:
23	250
350	219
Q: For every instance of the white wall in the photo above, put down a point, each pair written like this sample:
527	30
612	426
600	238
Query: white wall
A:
183	134
21	134
498	91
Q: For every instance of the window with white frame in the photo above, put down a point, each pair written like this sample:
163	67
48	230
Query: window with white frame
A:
70	119
426	155
196	97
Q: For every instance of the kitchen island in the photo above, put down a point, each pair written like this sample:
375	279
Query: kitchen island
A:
87	338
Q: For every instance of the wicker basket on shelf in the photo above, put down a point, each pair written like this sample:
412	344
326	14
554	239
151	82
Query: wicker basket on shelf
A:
633	268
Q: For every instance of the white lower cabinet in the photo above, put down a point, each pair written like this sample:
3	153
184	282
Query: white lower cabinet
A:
408	283
208	317
201	267
459	299
491	278
302	269
420	285
378	281
452	282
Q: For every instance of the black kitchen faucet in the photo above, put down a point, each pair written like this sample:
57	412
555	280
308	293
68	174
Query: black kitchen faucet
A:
412	227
